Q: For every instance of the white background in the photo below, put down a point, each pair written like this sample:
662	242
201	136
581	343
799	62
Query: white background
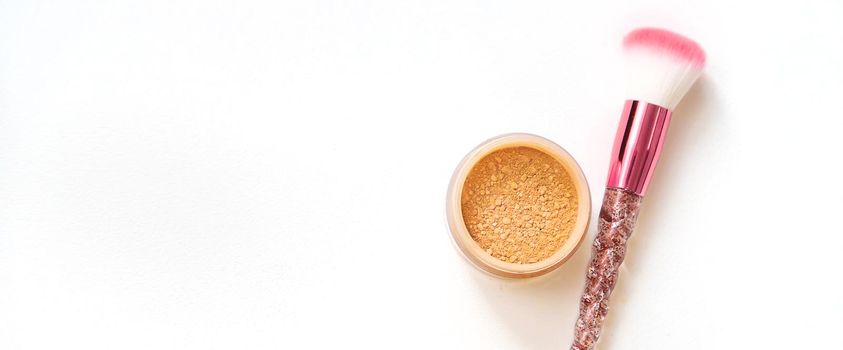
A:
272	175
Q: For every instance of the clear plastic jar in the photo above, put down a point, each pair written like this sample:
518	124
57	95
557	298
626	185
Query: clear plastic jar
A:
477	255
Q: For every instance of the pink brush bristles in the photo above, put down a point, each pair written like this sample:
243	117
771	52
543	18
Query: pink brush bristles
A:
660	66
678	46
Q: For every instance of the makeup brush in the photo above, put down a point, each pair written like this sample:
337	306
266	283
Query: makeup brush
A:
660	68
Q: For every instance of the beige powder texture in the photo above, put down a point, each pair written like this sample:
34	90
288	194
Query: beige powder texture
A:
519	204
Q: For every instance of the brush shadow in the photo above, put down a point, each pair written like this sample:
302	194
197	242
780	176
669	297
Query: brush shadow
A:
695	119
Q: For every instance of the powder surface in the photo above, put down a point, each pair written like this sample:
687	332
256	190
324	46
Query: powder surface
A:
519	204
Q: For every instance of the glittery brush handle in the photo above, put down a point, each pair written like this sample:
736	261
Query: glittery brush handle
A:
617	220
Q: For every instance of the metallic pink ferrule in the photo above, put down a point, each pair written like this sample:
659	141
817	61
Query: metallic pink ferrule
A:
638	144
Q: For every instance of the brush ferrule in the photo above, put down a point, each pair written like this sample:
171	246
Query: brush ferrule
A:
638	144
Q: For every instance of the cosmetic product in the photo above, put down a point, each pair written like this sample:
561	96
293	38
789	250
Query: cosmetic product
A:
661	67
518	206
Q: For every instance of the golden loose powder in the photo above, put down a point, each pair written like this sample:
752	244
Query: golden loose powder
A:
519	204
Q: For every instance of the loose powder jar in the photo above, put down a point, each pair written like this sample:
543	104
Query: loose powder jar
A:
518	206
